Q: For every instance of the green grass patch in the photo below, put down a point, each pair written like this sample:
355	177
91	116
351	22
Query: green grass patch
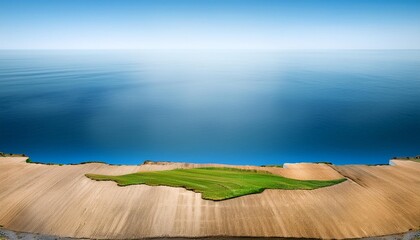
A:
2	154
62	164
216	183
377	164
415	159
323	162
273	165
30	161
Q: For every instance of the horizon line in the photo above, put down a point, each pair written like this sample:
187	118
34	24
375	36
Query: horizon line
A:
137	49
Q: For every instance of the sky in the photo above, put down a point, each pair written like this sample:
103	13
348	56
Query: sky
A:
209	24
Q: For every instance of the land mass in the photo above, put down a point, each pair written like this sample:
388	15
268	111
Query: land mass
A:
61	201
216	183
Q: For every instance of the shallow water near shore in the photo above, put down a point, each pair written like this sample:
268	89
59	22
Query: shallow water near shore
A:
233	107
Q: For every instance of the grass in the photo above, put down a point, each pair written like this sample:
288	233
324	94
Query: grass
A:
323	162
216	183
2	154
273	165
30	161
62	164
415	159
377	164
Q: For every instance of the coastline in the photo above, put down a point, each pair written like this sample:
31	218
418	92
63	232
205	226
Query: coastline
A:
13	235
163	162
59	201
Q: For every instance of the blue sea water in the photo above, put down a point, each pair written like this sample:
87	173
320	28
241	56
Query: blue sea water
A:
235	107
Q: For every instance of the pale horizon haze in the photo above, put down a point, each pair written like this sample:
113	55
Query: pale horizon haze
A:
231	24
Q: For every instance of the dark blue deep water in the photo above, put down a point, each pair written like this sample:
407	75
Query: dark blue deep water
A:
236	107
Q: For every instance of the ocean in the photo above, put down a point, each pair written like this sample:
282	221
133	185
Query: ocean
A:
245	107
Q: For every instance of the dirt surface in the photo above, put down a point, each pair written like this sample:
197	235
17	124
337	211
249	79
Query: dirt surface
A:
61	201
12	235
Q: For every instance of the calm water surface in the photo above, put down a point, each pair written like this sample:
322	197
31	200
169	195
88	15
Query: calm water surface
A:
236	107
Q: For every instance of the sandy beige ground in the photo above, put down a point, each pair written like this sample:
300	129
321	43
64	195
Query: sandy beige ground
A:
60	200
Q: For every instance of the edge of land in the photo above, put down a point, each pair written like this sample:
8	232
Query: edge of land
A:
154	162
6	234
349	171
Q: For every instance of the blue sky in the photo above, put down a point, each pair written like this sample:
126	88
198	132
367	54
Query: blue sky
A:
209	24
